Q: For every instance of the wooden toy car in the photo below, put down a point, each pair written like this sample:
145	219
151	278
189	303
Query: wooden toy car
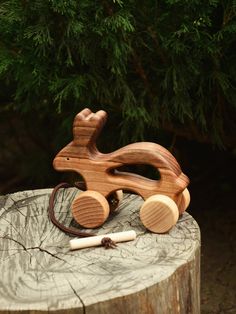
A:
164	199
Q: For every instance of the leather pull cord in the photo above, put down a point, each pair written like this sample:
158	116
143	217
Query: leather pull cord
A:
108	243
51	213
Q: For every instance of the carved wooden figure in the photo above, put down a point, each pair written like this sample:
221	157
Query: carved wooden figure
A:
164	199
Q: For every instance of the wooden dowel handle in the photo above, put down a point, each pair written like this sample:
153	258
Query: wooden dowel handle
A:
97	240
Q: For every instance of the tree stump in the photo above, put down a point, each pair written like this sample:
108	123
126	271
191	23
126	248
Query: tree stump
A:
152	274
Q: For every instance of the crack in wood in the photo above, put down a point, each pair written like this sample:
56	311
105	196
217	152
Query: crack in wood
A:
27	249
6	237
47	252
76	294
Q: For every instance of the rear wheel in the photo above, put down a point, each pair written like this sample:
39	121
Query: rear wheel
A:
115	199
184	202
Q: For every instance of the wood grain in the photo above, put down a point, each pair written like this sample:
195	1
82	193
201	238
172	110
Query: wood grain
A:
100	170
184	201
81	155
152	274
159	213
90	209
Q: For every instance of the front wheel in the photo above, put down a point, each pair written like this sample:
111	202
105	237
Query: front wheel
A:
159	213
90	209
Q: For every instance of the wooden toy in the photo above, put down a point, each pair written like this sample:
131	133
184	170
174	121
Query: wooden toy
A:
164	199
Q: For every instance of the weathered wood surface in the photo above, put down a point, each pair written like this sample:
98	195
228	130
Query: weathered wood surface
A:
152	274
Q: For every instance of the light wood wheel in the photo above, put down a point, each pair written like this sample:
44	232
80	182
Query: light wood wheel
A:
90	209
159	213
184	202
114	199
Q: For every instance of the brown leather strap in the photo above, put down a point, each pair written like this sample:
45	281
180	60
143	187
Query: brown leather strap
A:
51	213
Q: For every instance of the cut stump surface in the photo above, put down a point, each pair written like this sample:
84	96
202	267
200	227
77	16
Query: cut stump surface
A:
152	274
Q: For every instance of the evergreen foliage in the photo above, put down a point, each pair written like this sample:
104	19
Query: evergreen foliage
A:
157	63
151	64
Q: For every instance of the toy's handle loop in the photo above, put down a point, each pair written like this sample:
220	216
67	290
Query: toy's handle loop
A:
51	212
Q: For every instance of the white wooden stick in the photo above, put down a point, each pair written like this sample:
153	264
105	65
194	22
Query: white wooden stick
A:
96	240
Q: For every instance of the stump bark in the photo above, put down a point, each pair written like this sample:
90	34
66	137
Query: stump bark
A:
152	274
